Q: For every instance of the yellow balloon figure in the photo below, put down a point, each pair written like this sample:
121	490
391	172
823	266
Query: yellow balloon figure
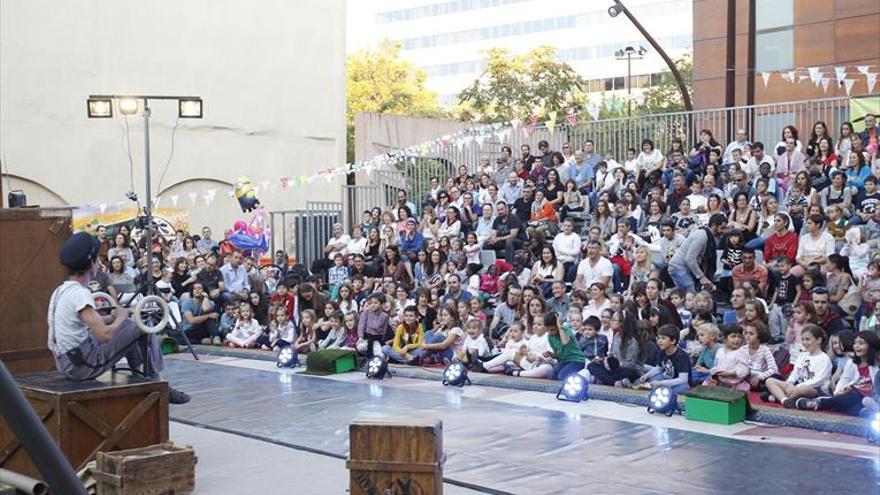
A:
245	194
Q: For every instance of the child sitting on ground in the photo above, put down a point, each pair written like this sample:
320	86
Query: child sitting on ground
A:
511	344
856	391
335	338
246	331
352	338
228	319
536	360
408	339
811	373
373	325
762	365
592	344
306	341
282	333
674	368
707	335
475	345
731	361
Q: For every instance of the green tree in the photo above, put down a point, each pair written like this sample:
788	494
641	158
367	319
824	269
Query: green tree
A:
380	81
666	97
521	86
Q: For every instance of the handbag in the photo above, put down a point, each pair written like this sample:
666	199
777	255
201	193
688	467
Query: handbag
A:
852	301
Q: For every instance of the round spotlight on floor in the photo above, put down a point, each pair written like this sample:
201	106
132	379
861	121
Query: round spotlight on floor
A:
874	427
456	375
377	368
663	400
574	388
286	358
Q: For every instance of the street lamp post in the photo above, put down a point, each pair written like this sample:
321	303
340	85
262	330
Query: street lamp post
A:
629	53
619	7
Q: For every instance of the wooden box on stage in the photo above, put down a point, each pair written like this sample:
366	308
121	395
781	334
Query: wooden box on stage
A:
114	412
153	470
30	240
401	457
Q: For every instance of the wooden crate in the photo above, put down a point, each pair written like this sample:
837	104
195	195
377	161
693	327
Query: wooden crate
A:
153	470
30	240
399	457
114	412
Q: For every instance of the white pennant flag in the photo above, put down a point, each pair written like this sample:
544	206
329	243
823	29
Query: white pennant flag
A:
480	140
840	72
825	82
864	69
871	81
593	110
766	77
173	199
192	197
102	207
848	85
515	123
815	75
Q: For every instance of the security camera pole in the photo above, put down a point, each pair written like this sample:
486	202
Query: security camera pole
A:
619	7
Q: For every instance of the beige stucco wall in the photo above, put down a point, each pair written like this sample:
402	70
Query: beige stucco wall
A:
271	73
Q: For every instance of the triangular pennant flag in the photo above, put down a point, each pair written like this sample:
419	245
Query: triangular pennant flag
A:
618	106
480	139
791	76
609	104
871	81
815	75
174	198
192	197
515	123
864	69
551	121
848	85
285	181
766	77
593	110
571	116
825	82
840	72
102	207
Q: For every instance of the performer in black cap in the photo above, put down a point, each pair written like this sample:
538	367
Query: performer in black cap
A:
84	343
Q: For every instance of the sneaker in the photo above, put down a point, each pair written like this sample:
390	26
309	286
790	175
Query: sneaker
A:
177	397
788	403
216	341
767	397
508	369
206	341
805	404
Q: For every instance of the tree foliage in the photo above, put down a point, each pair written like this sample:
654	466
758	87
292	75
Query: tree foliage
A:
520	86
666	97
382	82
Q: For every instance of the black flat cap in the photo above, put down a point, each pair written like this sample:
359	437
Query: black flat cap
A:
79	251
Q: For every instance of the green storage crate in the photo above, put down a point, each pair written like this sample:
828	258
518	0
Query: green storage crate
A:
715	405
330	361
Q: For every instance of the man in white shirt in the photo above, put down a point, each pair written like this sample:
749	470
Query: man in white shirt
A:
593	268
337	244
567	246
758	157
737	144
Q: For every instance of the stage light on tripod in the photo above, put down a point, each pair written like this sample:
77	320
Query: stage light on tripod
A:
100	108
456	375
189	108
287	358
575	388
662	400
377	368
128	106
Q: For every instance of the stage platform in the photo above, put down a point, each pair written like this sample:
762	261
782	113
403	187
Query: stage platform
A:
497	441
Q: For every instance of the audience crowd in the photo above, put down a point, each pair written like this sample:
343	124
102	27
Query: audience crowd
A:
728	264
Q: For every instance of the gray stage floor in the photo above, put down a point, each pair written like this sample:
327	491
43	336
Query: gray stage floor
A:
512	448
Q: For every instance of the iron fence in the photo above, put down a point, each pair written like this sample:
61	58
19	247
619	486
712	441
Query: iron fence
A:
761	122
304	232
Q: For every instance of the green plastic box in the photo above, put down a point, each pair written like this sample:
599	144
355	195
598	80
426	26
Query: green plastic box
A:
715	411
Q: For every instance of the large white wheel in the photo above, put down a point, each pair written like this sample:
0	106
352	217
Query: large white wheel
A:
151	314
104	303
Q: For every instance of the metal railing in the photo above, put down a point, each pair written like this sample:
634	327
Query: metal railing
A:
303	233
761	122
